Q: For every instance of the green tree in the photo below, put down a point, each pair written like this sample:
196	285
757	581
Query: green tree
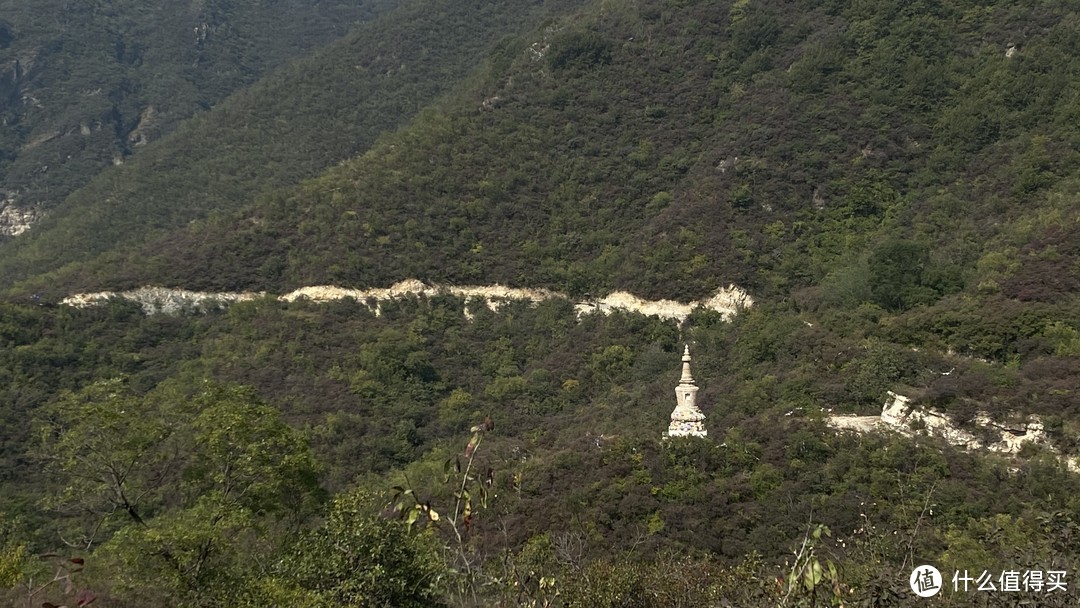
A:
897	268
359	558
209	485
12	555
247	457
111	454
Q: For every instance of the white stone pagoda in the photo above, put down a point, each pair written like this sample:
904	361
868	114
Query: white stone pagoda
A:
687	420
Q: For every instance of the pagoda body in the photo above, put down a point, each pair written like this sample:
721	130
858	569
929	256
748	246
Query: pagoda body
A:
687	420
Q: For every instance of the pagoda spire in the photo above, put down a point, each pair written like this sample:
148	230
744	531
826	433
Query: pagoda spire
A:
687	419
686	377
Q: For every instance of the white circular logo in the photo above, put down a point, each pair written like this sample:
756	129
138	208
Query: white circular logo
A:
925	581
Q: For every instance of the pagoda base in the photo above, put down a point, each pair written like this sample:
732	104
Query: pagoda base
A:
687	429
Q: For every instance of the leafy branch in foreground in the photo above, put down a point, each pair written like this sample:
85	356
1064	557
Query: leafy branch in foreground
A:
64	578
810	574
470	494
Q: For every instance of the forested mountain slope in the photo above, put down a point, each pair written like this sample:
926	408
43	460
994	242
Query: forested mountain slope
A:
289	126
902	169
663	148
86	84
895	184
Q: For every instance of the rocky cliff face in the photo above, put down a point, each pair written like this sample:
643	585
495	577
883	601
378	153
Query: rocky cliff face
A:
14	220
163	300
898	415
727	301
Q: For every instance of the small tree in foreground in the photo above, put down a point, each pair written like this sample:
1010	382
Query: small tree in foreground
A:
470	495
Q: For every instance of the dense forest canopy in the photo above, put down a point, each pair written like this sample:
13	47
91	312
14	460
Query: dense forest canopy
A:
896	184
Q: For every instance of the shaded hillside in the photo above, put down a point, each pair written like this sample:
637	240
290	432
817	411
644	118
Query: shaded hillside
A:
86	84
289	126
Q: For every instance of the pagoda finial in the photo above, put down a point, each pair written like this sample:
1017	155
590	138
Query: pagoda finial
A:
686	377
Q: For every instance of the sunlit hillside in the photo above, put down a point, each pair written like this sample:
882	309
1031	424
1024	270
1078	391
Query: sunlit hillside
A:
335	341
